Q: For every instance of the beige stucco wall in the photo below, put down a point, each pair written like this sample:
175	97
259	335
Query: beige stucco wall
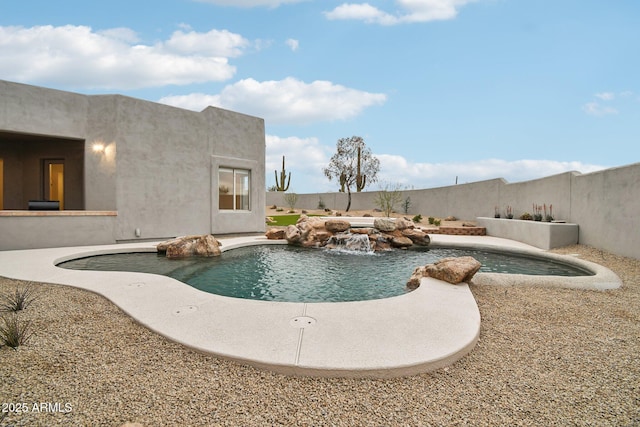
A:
604	204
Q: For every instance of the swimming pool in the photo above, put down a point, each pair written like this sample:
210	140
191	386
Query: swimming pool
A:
292	274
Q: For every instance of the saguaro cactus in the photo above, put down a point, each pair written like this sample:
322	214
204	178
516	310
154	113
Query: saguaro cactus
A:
283	175
361	180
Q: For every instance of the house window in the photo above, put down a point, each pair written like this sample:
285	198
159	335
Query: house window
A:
233	189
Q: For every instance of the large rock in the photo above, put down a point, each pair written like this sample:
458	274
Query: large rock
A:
318	232
337	225
275	233
187	246
453	270
384	224
403	224
292	234
401	242
416	277
418	237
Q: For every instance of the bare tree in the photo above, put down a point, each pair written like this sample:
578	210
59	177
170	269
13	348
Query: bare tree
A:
352	164
388	197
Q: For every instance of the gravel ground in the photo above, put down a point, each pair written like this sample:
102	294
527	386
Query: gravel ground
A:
545	357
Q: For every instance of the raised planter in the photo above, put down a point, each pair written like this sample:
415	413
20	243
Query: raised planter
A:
543	235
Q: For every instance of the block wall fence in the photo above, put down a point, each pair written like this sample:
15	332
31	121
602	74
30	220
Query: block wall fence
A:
605	204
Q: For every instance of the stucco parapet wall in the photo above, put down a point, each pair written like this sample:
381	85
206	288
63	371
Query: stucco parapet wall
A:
543	235
58	213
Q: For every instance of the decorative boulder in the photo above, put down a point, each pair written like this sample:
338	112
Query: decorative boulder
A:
418	237
275	233
337	225
403	224
384	224
401	242
292	234
453	270
188	246
416	277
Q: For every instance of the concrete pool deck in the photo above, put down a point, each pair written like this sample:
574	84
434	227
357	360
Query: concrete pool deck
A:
420	331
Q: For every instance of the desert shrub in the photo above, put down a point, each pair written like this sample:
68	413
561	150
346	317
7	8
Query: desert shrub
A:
19	299
417	218
388	197
321	204
13	331
291	199
436	222
406	204
431	219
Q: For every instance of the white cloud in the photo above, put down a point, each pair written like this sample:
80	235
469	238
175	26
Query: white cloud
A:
397	169
597	109
250	3
288	101
608	103
77	56
220	43
411	11
304	158
606	96
293	44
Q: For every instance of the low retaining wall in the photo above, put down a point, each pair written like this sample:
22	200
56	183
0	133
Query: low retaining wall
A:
543	235
50	229
457	231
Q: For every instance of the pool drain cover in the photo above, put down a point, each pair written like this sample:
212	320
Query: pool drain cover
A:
302	322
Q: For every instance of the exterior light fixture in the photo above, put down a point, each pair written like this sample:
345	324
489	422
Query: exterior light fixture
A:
98	147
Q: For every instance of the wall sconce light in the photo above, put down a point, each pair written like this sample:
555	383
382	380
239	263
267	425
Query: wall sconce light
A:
98	147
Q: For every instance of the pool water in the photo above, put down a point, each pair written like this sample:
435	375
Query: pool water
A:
293	274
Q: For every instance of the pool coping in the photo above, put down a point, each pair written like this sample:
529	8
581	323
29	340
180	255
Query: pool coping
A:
427	329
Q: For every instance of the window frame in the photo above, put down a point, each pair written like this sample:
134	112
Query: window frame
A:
235	192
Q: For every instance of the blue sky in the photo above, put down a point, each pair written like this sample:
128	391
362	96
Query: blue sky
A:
438	89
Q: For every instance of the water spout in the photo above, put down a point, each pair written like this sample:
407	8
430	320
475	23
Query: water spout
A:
350	242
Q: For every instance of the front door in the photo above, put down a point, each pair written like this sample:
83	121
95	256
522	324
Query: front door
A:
54	181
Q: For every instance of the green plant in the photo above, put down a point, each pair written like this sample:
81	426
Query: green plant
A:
291	199
13	331
431	219
284	220
20	299
508	212
353	164
417	218
548	216
537	212
526	216
321	204
436	222
406	204
387	198
280	186
361	180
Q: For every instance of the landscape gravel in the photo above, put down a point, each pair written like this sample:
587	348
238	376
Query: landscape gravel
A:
545	357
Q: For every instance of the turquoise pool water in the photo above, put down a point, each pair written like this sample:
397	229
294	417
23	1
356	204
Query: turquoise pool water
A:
286	273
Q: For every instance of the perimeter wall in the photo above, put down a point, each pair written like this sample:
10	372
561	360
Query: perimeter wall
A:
605	204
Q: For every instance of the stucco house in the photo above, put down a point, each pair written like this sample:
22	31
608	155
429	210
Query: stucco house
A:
98	169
